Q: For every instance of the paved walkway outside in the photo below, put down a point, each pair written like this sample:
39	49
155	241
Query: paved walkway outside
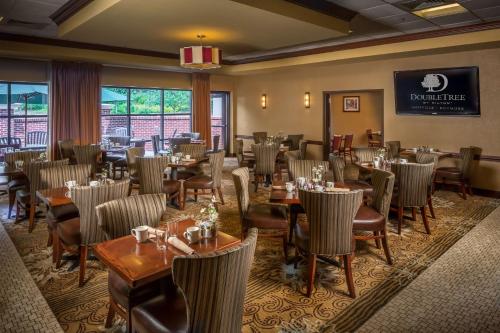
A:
22	306
460	292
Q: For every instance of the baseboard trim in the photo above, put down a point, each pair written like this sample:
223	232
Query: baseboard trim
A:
486	193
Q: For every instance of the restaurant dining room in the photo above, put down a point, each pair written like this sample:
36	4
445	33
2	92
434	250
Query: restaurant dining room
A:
281	166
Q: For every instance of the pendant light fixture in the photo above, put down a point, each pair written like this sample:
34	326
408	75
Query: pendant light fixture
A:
201	57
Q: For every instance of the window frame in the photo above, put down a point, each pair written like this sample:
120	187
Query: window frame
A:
10	116
161	114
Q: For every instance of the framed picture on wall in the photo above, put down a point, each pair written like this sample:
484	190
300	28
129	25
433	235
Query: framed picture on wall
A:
351	103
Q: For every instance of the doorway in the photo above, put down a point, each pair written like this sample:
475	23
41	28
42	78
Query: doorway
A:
219	105
368	113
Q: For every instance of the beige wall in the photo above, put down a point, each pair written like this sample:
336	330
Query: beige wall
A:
285	90
370	115
23	70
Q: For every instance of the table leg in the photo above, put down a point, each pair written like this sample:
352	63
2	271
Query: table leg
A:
32	217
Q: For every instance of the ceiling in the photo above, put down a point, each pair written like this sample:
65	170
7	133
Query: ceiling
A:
240	30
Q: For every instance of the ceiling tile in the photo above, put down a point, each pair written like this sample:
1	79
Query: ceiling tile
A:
479	4
416	25
381	11
357	5
398	19
488	13
453	19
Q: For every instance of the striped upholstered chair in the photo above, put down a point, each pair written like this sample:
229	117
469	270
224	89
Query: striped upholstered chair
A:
328	231
21	181
152	177
117	218
426	158
28	200
363	155
393	149
262	216
265	161
66	150
221	307
54	178
412	181
210	182
259	137
80	233
373	218
303	168
131	155
348	174
89	154
461	174
195	150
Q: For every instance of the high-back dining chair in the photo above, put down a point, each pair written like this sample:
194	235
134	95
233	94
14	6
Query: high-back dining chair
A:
215	144
373	139
195	150
66	150
259	137
295	140
211	182
28	200
131	155
152	177
26	156
121	140
221	307
459	175
265	161
328	231
341	171
303	168
155	142
426	158
175	143
364	154
347	148
117	218
374	217
89	154
265	217
83	232
336	142
36	138
413	185
393	149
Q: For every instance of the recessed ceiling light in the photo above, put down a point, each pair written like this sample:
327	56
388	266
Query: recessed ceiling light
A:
443	10
1	18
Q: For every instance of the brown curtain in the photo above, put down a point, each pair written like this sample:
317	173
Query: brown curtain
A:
202	121
75	96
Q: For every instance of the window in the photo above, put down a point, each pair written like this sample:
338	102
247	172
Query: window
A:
23	114
141	113
219	105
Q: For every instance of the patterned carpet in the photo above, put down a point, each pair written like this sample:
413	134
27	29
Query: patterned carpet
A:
275	300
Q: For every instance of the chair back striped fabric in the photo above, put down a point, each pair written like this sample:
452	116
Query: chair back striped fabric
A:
303	168
195	150
383	185
214	286
466	158
151	173
121	140
259	137
426	158
32	171
413	183
265	158
175	143
118	217
87	198
364	154
393	148
26	156
215	143
89	154
132	154
330	216
241	177
66	149
56	176
239	151
295	140
338	166
302	149
216	166
155	141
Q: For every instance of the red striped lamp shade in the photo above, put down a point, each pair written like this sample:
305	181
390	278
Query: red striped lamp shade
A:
201	57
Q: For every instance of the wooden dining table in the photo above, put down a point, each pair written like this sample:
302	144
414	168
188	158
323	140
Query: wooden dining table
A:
184	164
54	197
141	263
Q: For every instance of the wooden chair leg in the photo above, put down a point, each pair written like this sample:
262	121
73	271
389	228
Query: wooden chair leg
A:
469	188
83	264
348	275
55	246
462	189
424	218
111	313
219	189
59	249
414	213
296	261
385	244
18	209
184	198
377	241
195	195
285	245
31	225
400	219
49	240
129	319
431	207
12	200
311	273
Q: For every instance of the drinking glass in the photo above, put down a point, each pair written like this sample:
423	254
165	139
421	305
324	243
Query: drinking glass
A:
172	228
161	242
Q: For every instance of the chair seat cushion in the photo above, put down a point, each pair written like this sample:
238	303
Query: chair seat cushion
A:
17	184
448	172
185	174
69	232
64	212
171	186
199	182
23	196
368	219
161	315
302	234
265	216
123	294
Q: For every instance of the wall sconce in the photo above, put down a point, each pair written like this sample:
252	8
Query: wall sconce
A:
307	100
263	101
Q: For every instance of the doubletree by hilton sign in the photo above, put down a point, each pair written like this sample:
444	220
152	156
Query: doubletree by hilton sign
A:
442	91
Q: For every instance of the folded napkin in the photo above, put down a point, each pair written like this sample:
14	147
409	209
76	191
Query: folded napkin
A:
180	245
152	232
337	189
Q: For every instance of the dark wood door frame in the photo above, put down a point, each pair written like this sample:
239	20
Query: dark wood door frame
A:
327	130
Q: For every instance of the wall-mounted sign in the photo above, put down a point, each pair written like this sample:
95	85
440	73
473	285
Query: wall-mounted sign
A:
441	91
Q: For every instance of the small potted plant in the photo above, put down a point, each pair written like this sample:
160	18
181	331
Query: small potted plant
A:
209	224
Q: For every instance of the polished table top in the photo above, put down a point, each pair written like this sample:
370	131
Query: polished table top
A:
141	263
54	197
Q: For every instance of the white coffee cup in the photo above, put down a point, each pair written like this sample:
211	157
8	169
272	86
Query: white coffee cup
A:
94	183
70	183
192	234
289	186
319	188
140	233
188	157
330	184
